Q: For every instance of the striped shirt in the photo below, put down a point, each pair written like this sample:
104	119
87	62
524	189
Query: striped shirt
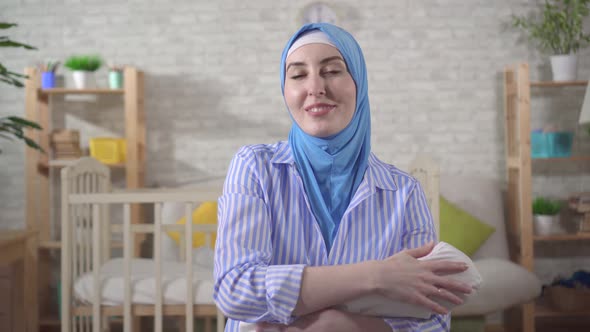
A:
267	234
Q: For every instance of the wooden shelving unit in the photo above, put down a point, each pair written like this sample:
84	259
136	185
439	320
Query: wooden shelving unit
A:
38	199
517	107
562	237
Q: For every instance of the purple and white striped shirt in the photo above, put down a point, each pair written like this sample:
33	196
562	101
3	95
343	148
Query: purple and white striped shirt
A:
267	234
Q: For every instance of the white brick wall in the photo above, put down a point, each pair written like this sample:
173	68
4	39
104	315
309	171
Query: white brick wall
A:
212	81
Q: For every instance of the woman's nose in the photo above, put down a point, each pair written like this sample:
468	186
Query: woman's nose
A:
317	86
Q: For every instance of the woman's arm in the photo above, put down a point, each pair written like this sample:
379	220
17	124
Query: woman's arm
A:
401	277
329	320
248	288
419	226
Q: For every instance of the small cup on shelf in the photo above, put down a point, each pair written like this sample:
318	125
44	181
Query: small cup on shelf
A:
115	76
47	80
115	79
48	74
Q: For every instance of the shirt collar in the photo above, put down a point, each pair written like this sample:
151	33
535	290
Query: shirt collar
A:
378	174
283	154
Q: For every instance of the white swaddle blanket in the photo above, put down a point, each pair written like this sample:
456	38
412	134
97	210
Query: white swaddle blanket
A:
376	305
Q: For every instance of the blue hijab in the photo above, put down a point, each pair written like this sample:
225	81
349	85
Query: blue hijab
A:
332	168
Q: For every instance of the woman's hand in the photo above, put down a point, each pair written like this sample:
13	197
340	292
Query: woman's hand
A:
403	277
329	320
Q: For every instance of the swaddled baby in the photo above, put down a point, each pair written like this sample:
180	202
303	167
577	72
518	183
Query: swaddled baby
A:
376	305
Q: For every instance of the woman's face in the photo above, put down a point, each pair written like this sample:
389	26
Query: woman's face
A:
319	91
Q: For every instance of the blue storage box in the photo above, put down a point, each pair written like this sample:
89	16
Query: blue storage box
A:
551	144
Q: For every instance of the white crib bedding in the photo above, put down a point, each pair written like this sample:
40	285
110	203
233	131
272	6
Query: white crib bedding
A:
143	280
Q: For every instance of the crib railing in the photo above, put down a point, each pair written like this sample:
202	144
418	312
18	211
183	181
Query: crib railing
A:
84	240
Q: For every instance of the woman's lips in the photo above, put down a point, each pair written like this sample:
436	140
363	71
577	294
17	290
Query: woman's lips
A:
319	109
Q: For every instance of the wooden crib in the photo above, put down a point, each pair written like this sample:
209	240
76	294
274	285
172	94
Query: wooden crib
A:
87	246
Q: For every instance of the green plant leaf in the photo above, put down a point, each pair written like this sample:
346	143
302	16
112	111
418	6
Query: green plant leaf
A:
6	76
10	43
4	25
12	127
83	62
11	81
32	144
24	122
545	206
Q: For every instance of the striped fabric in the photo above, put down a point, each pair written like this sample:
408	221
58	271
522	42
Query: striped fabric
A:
267	234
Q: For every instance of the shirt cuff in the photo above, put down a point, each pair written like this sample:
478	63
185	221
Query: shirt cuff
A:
391	323
283	283
436	323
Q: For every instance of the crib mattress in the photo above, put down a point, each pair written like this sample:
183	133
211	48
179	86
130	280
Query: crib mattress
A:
143	282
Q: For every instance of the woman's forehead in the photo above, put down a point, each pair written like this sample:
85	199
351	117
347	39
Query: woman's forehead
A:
314	53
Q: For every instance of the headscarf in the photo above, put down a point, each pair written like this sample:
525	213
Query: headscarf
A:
333	167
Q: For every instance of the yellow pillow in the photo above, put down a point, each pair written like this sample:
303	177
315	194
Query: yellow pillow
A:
205	213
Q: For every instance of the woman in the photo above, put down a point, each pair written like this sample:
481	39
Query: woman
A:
309	224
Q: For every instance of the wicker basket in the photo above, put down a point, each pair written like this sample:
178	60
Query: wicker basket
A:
568	299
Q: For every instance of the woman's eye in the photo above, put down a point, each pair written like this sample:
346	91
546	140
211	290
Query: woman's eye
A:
332	72
296	76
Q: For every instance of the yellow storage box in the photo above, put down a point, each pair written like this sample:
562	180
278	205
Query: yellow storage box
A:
108	150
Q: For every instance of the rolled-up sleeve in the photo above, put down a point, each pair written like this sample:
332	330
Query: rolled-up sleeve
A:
247	288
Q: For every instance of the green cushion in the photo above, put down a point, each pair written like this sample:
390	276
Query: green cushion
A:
462	230
468	324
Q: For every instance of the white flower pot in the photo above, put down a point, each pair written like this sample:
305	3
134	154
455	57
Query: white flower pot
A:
564	67
547	225
83	79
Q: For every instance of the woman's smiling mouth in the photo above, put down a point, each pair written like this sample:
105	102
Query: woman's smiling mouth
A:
319	109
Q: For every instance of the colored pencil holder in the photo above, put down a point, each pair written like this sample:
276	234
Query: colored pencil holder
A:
47	80
115	80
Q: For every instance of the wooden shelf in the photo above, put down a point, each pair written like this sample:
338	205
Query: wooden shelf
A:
544	310
50	245
49	321
56	245
59	163
563	237
567	159
559	84
69	91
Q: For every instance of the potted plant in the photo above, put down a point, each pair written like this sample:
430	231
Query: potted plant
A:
560	31
546	219
12	127
83	66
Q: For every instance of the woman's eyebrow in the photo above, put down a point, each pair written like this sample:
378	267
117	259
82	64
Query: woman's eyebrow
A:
323	61
332	58
298	64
